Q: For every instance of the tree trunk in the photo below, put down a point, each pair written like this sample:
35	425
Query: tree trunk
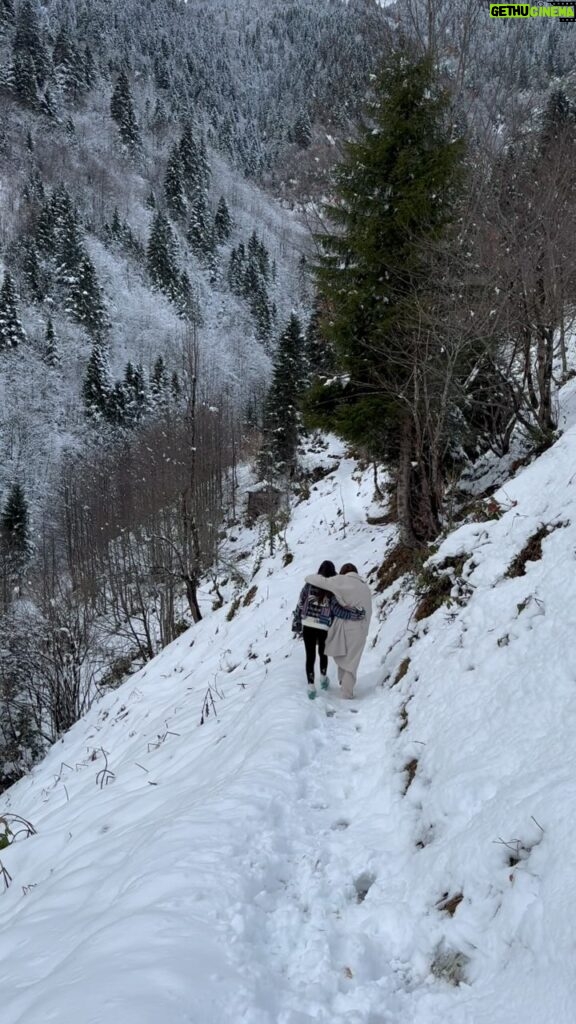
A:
404	487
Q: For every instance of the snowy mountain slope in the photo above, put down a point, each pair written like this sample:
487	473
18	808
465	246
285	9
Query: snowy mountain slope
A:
274	865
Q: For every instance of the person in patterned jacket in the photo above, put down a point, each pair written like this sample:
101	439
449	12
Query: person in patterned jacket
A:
316	610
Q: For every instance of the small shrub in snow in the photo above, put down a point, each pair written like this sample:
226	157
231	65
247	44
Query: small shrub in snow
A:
441	584
250	596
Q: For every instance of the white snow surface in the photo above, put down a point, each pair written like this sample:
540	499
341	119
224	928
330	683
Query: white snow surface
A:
270	866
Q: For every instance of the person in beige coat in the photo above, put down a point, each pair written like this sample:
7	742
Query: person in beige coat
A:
347	637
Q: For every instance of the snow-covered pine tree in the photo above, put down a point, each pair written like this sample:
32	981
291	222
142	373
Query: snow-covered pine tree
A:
68	67
173	186
29	39
159	383
281	415
23	80
319	354
97	386
161	258
237	269
51	348
12	332
7	16
187	302
122	112
302	131
85	302
135	391
222	222
14	522
195	177
32	271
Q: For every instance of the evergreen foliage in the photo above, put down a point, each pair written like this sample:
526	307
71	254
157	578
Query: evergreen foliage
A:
69	72
281	415
319	355
248	275
14	522
32	271
302	132
396	193
24	80
85	303
28	40
135	393
97	387
161	258
173	186
122	112
51	348
12	332
222	222
159	383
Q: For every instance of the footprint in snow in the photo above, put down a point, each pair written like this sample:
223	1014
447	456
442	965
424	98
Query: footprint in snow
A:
340	826
363	884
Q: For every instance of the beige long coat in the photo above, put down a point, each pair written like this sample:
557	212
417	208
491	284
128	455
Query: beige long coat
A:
346	637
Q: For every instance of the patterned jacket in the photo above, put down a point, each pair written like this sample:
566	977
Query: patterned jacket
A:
322	607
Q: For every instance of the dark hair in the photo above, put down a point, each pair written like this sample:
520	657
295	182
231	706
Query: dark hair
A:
348	568
327	569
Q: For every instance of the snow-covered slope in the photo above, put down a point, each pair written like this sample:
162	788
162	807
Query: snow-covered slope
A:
270	862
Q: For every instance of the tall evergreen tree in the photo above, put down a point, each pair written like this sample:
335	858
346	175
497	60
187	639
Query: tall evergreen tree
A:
281	415
14	522
159	383
135	392
7	15
302	131
29	39
173	187
123	113
51	347
32	271
12	332
187	302
320	358
161	258
222	222
85	302
396	194
68	66
97	387
24	80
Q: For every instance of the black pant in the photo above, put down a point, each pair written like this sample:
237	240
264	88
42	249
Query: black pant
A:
315	638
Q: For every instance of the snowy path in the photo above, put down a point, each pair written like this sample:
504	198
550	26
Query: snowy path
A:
315	954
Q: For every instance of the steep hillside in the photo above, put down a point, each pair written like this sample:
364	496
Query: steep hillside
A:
210	846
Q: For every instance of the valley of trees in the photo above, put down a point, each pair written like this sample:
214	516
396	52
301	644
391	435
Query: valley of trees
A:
163	320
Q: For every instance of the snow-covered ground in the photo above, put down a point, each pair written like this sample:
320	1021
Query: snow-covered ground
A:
270	862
